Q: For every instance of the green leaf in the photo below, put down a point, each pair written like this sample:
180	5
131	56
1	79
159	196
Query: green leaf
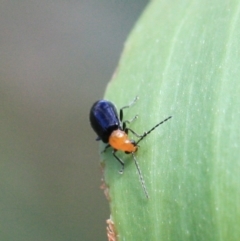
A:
182	59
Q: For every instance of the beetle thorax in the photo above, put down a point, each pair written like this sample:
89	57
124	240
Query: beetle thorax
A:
119	140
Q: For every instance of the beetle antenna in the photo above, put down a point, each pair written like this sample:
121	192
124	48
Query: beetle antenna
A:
148	132
140	176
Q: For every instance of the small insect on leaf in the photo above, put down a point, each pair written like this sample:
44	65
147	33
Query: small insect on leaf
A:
112	130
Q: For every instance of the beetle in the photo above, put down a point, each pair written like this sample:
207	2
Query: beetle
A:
112	130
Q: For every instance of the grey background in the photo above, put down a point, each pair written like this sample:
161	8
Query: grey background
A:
56	60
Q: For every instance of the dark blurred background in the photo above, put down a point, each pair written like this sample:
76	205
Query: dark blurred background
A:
56	58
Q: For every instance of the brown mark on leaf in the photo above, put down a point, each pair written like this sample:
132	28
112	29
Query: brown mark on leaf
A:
104	186
105	189
111	231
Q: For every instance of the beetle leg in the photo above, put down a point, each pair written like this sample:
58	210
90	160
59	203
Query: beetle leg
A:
106	147
121	162
137	135
127	106
129	121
